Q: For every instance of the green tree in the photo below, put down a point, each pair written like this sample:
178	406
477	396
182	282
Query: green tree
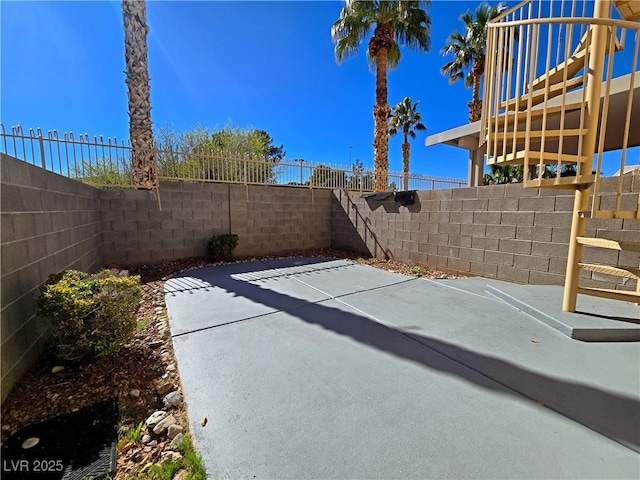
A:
103	173
360	179
499	174
469	53
324	176
231	154
405	118
395	24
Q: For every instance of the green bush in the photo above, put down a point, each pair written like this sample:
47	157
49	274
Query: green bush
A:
221	246
91	315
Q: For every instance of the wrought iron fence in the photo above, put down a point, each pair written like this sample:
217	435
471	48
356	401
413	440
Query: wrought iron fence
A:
107	163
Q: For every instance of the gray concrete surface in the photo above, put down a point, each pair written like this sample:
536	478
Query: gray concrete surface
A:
324	369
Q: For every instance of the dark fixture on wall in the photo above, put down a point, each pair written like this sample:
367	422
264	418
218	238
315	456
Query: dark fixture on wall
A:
406	198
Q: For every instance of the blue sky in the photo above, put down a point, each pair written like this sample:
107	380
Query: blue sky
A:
268	65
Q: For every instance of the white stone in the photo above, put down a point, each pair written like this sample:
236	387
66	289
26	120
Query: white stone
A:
57	369
163	424
146	438
134	393
156	417
172	399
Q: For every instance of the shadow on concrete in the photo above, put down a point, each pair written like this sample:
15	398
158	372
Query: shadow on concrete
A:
609	414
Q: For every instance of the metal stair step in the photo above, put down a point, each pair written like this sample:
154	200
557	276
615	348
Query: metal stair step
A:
624	295
611	244
509	117
626	272
517	158
538	96
535	135
629	9
567	183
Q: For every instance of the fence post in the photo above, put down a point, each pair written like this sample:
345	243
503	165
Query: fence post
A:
41	142
245	169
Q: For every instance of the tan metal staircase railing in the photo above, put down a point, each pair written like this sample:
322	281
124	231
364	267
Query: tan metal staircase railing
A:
551	104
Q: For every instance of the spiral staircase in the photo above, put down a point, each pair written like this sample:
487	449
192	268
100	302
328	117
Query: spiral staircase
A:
562	88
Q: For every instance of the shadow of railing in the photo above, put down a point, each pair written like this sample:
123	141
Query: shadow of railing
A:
613	415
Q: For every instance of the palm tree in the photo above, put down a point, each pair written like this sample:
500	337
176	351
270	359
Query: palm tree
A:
407	119
469	51
134	18
395	23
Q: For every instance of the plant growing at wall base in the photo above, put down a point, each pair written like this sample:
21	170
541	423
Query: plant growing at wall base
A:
91	315
221	247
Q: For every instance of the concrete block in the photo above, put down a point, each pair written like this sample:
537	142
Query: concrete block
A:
552	219
473	230
550	250
475	205
499	258
564	203
460	240
507	204
451	205
135	215
540	234
515	246
469	192
403	235
536	204
439	238
545	278
501	231
7	233
560	234
418	258
517	218
471	254
513	274
428	248
24	225
492	191
458	265
181	214
602	256
44	224
448	251
487	218
37	247
486	270
11	198
461	217
451	228
437	261
409	246
558	265
485	243
517	190
14	256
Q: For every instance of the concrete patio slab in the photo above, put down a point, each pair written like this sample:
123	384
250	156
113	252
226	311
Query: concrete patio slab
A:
584	381
401	378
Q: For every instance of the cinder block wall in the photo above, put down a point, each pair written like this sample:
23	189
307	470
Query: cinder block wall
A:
267	219
49	223
505	232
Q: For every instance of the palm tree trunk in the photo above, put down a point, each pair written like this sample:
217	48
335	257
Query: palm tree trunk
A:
140	129
475	106
406	151
379	45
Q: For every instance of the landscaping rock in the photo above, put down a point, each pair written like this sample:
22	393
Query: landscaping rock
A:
163	424
172	399
171	367
177	441
146	439
57	369
164	388
134	393
169	457
156	417
180	474
173	430
156	343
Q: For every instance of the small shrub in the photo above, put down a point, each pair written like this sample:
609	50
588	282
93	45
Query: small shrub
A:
91	315
221	246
